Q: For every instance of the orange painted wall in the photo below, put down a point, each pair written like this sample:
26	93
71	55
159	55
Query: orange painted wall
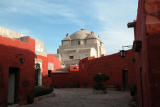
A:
11	52
74	68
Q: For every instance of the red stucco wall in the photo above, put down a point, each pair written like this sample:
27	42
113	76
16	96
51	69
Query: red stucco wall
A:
50	58
11	52
57	65
44	70
66	79
147	30
112	65
55	61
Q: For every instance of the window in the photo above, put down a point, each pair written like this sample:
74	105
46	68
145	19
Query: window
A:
50	66
79	42
71	57
49	73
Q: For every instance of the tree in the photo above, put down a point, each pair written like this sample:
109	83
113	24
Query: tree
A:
100	78
37	66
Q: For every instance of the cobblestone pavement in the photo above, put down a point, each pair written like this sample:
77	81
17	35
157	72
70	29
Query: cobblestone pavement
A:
79	97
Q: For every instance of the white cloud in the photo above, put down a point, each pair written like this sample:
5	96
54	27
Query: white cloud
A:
113	17
115	38
40	8
22	30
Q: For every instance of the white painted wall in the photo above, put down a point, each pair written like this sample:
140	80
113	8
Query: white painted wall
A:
9	33
40	48
86	48
93	52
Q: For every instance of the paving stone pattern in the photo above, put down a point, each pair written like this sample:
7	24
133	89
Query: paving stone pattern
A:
79	97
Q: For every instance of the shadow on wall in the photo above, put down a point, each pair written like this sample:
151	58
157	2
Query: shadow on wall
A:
120	69
16	74
66	80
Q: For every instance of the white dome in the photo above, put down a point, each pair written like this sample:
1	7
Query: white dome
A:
92	36
81	34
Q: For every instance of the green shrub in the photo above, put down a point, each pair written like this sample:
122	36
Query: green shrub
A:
40	90
133	90
100	77
99	87
30	98
118	87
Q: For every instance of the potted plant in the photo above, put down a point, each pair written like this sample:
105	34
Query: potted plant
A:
100	78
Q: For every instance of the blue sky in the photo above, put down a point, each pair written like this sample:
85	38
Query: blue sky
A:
50	20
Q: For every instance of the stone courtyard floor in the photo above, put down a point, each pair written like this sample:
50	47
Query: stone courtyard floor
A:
83	97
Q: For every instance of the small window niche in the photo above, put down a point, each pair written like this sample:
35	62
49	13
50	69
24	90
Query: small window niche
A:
79	42
71	57
137	45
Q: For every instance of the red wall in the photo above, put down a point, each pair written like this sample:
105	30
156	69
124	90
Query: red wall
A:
63	79
57	65
112	65
11	52
147	30
55	61
44	70
73	68
47	81
66	79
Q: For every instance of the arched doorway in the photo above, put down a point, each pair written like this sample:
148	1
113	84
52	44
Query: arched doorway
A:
38	74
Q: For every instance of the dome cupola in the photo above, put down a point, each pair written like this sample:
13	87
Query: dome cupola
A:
81	34
92	35
67	37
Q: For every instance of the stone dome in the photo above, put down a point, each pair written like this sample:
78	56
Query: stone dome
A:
92	36
81	34
67	38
